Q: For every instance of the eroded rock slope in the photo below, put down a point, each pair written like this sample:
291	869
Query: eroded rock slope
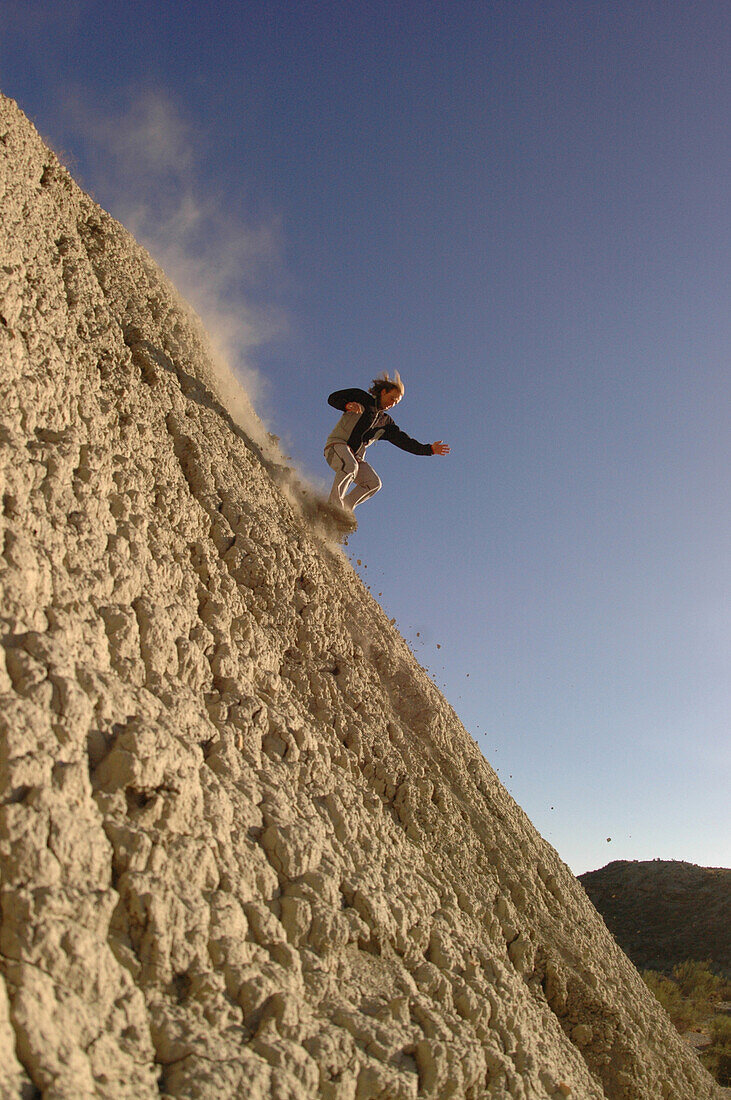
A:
247	849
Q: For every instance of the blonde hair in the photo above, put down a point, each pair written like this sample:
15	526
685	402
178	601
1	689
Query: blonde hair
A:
385	382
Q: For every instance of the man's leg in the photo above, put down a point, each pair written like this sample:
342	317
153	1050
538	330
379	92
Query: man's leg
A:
367	484
340	457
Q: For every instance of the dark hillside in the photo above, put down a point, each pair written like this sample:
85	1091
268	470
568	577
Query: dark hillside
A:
662	913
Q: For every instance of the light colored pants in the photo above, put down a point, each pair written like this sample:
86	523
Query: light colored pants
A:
348	470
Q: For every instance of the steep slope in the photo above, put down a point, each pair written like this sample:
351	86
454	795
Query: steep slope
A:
663	912
247	848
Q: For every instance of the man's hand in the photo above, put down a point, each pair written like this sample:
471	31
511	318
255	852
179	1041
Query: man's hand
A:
440	448
353	407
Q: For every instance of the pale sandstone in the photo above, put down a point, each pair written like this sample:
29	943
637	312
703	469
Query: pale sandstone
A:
247	848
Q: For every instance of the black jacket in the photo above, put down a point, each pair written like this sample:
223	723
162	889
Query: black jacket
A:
374	423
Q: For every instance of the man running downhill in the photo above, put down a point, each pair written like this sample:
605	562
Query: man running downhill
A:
364	421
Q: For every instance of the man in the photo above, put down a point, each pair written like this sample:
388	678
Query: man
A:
365	419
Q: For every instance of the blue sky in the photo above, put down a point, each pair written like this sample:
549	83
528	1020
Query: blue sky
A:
523	207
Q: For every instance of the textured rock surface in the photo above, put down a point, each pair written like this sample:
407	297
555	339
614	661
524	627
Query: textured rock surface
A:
247	849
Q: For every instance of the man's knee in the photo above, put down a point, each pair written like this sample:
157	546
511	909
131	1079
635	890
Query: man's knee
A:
342	460
368	478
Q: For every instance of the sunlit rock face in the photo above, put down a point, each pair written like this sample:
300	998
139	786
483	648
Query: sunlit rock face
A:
247	849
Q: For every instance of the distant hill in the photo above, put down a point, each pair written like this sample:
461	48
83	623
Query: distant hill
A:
664	912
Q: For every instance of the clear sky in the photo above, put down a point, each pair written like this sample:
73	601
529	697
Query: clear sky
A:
524	208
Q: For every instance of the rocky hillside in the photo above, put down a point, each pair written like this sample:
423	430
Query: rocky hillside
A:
247	849
664	912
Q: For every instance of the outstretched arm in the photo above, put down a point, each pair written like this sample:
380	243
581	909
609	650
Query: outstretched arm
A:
406	443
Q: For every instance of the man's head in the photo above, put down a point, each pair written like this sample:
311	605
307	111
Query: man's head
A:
387	391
